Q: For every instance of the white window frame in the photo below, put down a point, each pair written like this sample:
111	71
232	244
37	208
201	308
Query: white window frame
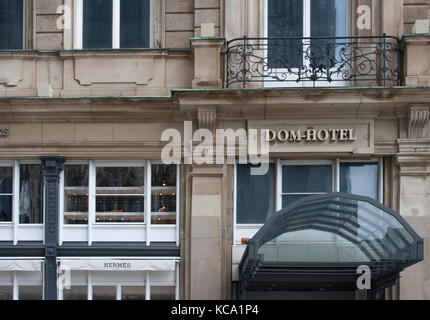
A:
239	230
15	226
149	227
90	284
306	34
116	6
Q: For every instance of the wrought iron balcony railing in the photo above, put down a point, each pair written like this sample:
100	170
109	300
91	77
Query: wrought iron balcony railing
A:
348	61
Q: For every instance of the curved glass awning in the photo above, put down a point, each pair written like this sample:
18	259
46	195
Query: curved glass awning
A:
323	239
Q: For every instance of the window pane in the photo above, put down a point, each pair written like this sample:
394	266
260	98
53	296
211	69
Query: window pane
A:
132	293
6	293
135	23
76	194
328	19
11	24
121	177
307	179
163	194
6	179
255	195
31	194
285	20
104	293
30	293
75	293
5	208
163	293
360	179
97	24
120	194
290	199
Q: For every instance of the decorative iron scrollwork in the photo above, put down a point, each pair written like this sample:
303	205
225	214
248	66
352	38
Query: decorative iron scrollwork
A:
349	60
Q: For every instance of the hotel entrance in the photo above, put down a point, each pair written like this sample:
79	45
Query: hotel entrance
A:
333	246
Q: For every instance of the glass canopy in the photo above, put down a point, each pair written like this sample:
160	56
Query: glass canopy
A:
335	231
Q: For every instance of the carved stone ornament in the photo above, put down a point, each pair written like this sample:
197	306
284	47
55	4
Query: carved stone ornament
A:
418	119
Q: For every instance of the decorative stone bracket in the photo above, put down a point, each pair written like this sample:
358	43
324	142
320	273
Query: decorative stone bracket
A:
207	118
418	121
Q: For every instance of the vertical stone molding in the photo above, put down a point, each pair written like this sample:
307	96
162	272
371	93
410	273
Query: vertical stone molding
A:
52	167
418	120
208	68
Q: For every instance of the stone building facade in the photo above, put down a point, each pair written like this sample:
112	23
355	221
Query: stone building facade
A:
71	115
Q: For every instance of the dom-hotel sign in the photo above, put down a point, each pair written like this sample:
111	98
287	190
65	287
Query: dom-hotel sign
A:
356	136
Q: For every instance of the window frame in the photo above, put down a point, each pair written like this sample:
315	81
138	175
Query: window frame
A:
92	223
116	23
146	283
27	7
307	15
250	229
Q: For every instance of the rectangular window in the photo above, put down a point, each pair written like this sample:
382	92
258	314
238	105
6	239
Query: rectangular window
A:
31	182
299	181
11	24
360	179
6	293
163	194
76	194
255	195
30	293
304	19
75	293
6	193
120	194
162	293
133	293
104	293
114	24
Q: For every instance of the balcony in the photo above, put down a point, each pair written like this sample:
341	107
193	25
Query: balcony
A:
313	62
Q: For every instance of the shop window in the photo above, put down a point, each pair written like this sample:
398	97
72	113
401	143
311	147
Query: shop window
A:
31	194
6	193
30	293
76	293
133	293
76	194
255	195
120	194
360	179
114	24
6	293
11	24
126	194
104	293
163	194
299	181
162	293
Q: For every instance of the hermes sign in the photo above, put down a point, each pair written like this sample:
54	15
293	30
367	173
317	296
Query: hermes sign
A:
4	132
352	136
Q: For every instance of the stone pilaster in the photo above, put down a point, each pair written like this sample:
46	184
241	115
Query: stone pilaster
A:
52	167
413	160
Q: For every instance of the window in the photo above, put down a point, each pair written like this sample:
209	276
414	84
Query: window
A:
120	193
299	181
288	181
31	194
255	195
305	19
6	193
104	24
21	192
11	24
360	179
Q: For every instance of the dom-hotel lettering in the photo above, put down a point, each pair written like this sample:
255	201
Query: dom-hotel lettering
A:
333	135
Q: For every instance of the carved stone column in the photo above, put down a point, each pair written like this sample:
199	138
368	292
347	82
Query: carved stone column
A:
52	167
